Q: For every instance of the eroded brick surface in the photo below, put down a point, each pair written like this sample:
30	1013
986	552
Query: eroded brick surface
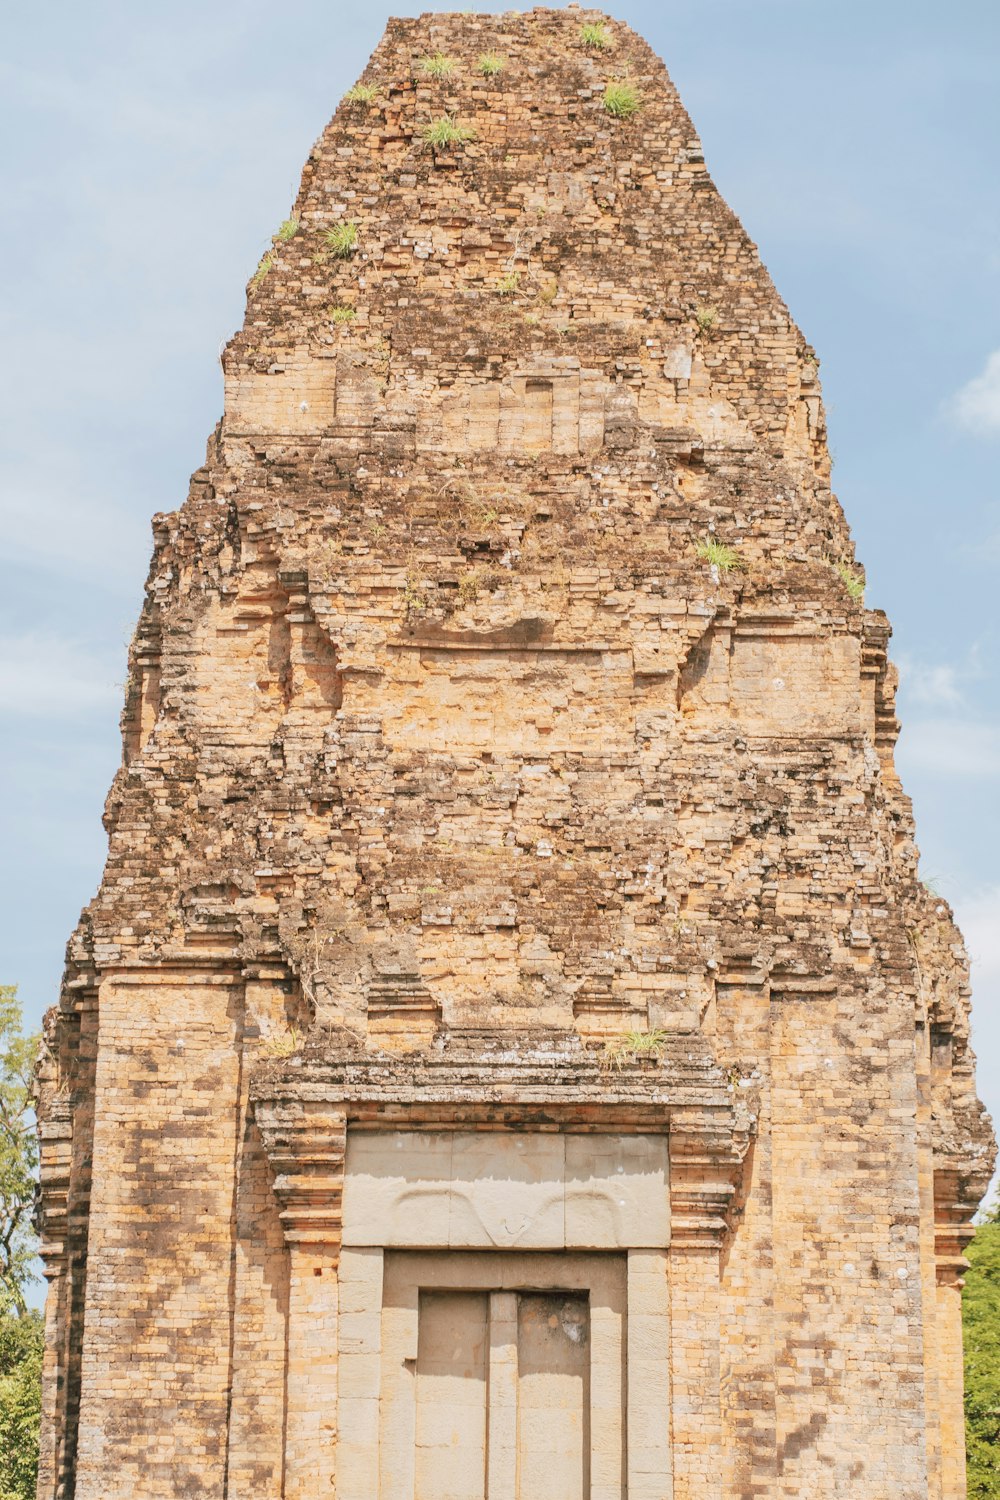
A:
448	758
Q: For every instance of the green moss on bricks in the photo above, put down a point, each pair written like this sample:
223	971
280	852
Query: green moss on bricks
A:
437	66
852	580
264	266
718	555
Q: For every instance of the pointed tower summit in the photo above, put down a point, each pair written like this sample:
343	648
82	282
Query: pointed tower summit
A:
511	1053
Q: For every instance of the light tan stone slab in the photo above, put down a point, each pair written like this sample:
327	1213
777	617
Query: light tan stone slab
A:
468	1190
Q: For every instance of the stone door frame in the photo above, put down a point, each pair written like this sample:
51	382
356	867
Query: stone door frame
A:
497	1210
304	1113
377	1386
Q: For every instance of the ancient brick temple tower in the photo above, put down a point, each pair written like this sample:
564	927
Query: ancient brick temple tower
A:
511	1053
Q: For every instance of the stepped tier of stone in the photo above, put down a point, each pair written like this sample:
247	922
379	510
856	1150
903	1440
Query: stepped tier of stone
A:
509	753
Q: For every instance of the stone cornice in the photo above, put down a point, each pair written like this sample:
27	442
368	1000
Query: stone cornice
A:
303	1108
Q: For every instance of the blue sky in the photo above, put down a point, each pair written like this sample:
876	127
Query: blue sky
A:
147	154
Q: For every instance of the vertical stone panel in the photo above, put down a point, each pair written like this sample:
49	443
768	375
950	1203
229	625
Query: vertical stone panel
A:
536	429
56	1151
159	1304
78	1073
553	1396
849	1355
696	1421
452	1369
306	1150
255	1456
255	1459
952	1234
952	1381
501	1467
393	1418
364	1445
933	1346
311	1391
743	1018
484	416
650	1397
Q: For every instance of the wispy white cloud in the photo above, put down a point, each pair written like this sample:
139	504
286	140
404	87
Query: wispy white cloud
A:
944	706
43	675
976	407
944	685
935	686
951	747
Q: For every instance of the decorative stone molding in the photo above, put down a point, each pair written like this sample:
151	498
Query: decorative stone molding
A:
953	1227
55	1140
520	1081
704	1164
489	1190
305	1146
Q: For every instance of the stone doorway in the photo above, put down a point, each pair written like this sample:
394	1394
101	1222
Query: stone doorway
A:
502	1395
500	1377
528	1172
494	1288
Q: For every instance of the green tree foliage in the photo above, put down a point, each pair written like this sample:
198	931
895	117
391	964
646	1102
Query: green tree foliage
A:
18	1154
21	1339
20	1329
981	1326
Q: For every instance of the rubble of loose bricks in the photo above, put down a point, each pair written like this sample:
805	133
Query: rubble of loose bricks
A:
503	689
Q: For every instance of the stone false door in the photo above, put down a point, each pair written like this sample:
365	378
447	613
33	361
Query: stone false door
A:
492	1285
515	1299
500	1376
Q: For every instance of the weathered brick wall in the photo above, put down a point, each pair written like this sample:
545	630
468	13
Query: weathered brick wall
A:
156	1346
440	717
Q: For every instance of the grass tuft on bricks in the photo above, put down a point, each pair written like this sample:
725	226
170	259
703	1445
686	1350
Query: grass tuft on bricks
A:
622	100
447	132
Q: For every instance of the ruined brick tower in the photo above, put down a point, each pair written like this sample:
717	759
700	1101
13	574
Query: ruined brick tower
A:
511	1053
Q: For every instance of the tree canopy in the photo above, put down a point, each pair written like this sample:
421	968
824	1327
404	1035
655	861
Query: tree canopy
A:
981	1325
21	1330
18	1154
21	1340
